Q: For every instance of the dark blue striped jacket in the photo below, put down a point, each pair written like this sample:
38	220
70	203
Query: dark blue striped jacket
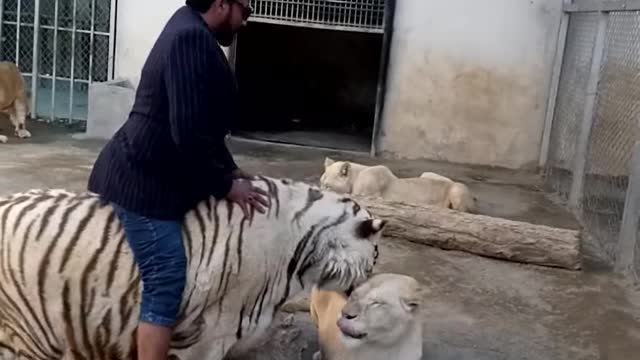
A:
170	153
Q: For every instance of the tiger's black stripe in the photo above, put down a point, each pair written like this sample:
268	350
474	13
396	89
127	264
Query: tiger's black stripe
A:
200	220
126	309
90	268
224	261
44	265
5	215
259	297
216	229
68	322
188	245
273	193
293	263
25	326
27	303
307	263
230	208
34	202
240	241
113	265
313	195
21	255
262	298
201	226
241	317
48	214
82	225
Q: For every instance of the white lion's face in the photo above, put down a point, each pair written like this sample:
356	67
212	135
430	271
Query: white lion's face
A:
337	176
343	249
381	311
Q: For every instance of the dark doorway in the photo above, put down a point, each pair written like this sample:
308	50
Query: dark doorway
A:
307	86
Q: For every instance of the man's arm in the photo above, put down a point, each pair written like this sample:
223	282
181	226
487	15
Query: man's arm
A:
193	78
225	155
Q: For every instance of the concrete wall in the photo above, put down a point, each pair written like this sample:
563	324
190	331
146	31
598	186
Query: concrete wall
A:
468	80
138	25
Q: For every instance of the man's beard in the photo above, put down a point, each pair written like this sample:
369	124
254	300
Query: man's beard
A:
225	38
225	33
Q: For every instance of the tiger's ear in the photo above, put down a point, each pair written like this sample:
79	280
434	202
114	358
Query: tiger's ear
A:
370	227
345	168
328	162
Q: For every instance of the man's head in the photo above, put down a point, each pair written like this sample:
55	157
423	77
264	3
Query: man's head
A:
224	17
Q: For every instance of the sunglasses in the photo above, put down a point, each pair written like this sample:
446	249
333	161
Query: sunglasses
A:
247	10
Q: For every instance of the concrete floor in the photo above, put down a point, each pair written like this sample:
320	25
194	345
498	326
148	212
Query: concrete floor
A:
478	308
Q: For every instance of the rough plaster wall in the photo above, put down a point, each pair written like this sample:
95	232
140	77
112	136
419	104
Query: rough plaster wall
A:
468	81
138	25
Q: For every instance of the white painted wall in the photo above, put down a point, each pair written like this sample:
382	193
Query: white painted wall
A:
468	80
138	25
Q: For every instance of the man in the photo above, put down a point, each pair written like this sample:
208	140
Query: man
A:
170	154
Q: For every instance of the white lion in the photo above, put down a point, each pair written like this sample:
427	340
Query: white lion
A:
380	320
378	181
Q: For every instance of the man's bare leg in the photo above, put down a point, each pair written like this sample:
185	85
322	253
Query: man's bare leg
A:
153	342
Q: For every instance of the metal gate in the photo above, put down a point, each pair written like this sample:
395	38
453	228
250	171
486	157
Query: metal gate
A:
352	15
61	46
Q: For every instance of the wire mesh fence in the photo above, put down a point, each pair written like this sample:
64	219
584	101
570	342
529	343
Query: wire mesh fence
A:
570	102
73	49
356	15
610	134
614	129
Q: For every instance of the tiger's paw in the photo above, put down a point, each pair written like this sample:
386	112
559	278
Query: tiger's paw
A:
3	139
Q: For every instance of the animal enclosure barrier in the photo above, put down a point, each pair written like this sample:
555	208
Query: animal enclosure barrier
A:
60	46
353	15
594	124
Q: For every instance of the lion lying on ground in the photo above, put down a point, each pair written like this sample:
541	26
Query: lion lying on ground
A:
379	320
428	189
13	99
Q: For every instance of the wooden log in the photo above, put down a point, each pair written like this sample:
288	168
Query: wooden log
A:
479	234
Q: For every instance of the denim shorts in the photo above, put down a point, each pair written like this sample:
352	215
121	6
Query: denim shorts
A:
159	252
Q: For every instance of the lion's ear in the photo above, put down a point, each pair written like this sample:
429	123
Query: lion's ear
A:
370	227
410	305
345	168
328	162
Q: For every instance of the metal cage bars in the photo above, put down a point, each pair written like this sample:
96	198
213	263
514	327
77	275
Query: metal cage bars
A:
40	54
346	15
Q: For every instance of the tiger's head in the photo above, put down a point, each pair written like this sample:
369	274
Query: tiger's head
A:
340	246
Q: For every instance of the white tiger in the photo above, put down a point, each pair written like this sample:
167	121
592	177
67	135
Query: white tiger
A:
69	287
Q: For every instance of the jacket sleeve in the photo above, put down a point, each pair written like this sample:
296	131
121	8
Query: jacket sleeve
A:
200	106
225	154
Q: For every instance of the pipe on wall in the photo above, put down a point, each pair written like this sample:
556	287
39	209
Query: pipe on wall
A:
389	16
